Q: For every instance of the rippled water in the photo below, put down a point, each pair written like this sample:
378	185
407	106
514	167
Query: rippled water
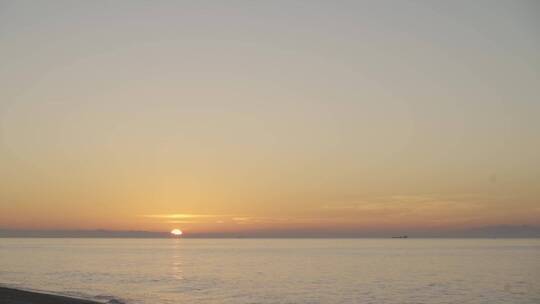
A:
278	270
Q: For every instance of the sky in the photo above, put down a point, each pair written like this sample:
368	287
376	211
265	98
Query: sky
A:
269	116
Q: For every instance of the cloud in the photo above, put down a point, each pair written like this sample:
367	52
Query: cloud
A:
181	222
410	203
421	210
193	218
184	216
426	208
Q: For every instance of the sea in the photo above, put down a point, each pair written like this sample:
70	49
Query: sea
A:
382	271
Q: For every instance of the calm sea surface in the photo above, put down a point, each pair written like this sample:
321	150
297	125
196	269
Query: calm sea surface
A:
154	271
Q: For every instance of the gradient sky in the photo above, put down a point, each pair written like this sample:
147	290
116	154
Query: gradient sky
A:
224	116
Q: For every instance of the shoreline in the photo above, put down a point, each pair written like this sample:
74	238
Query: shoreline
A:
17	296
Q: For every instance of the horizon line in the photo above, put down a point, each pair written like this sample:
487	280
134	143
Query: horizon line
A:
512	231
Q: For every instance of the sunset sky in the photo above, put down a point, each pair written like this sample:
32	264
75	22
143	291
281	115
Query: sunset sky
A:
227	116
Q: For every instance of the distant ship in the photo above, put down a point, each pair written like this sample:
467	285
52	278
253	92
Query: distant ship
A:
400	237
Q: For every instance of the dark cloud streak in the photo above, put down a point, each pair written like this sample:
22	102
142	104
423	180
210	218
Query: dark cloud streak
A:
500	231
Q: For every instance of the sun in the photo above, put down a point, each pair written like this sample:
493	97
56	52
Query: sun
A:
176	232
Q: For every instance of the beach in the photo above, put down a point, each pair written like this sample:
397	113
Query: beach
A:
15	296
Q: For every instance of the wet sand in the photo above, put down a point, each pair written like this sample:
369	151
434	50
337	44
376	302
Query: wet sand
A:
14	296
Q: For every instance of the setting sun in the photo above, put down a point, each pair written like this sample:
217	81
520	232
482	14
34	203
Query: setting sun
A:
176	232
